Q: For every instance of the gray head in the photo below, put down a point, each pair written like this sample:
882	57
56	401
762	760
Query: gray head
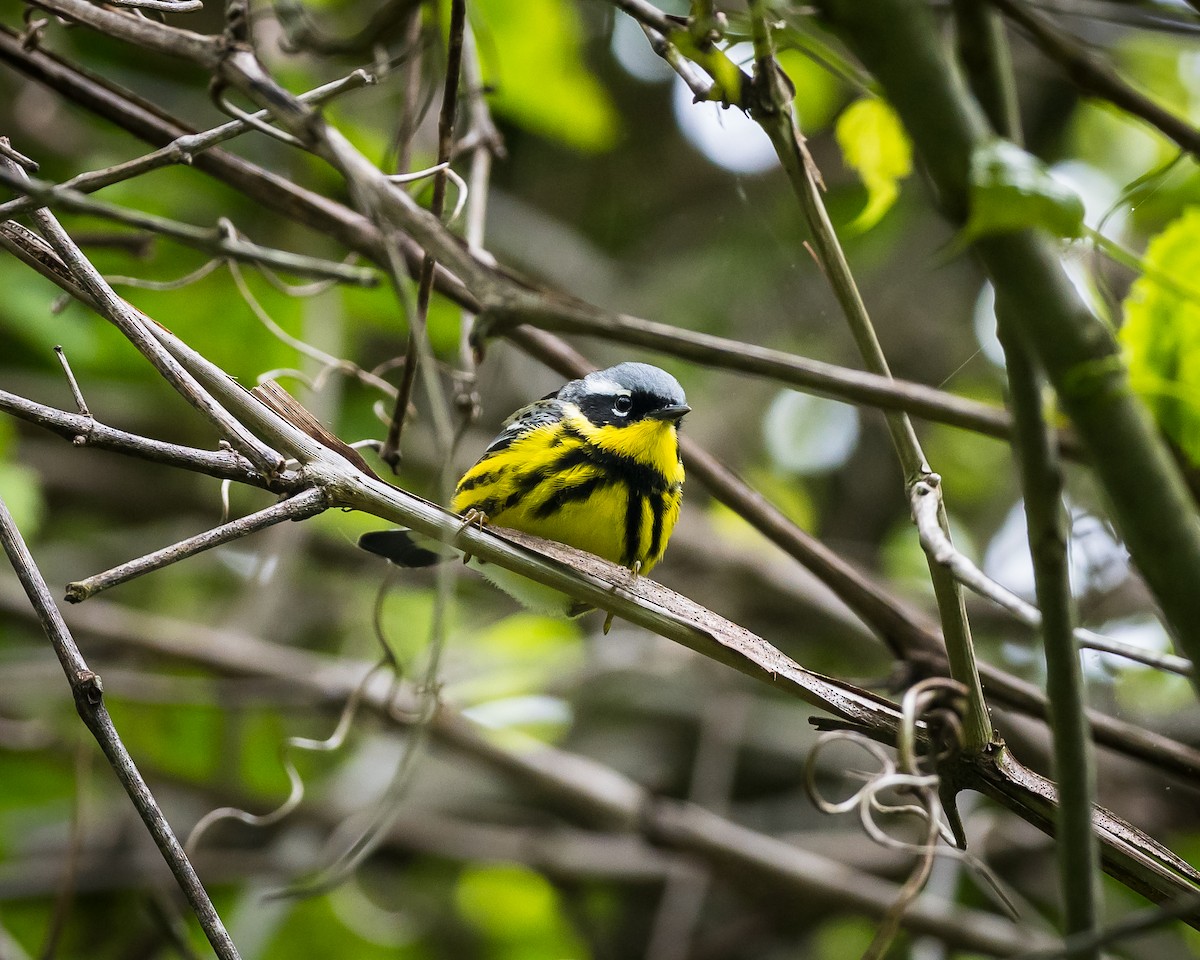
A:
627	393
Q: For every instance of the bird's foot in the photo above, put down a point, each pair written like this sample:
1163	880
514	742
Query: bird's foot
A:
479	519
635	570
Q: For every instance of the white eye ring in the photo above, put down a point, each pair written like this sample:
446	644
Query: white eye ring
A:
623	405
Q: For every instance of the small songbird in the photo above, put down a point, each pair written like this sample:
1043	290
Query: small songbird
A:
595	466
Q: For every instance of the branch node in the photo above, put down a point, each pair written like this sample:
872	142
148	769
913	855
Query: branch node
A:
88	688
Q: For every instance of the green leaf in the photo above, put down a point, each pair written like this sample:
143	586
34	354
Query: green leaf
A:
1161	333
817	90
515	907
876	147
20	488
532	55
1011	190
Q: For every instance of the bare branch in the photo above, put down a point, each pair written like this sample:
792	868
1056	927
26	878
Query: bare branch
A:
224	240
87	431
129	322
80	403
939	547
301	506
390	451
89	701
161	6
184	149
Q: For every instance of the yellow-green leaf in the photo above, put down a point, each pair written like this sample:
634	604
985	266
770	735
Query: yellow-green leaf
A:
1161	333
874	145
533	61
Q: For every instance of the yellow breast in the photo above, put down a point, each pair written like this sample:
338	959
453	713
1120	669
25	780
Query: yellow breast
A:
614	491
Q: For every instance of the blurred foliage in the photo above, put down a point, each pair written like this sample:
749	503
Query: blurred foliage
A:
603	196
532	60
1011	190
1161	333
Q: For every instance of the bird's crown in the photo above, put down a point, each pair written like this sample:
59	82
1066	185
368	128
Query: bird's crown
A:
627	393
627	378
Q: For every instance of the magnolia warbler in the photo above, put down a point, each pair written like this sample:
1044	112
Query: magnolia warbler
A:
595	465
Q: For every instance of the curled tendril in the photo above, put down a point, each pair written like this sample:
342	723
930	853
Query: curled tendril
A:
930	719
461	188
296	785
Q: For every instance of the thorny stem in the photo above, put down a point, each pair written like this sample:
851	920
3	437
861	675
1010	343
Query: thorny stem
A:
772	108
989	70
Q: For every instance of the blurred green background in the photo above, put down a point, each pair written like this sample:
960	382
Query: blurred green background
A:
619	189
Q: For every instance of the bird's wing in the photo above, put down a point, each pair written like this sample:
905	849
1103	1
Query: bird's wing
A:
541	413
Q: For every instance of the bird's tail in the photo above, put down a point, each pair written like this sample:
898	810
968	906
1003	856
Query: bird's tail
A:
405	548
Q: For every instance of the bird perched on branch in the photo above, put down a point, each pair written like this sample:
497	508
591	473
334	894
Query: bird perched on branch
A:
595	465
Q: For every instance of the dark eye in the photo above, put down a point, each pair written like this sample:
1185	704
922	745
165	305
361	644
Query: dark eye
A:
622	406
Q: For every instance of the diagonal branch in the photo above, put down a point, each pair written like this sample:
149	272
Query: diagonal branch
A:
307	503
88	431
125	319
89	701
221	241
913	640
185	148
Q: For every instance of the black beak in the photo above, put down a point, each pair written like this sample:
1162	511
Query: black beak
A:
675	411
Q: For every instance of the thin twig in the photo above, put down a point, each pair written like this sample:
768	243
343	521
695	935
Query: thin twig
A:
939	547
89	701
801	373
390	452
87	431
223	240
772	107
127	320
80	403
301	506
161	6
184	149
